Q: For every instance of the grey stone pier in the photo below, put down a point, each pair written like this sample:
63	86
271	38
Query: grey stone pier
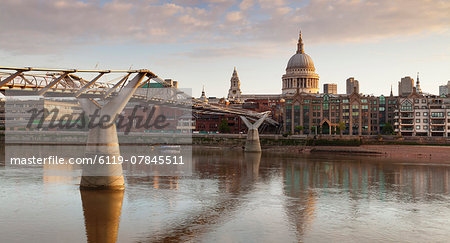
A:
252	143
103	141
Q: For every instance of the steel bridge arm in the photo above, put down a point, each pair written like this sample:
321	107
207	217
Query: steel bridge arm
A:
53	83
108	93
11	77
85	87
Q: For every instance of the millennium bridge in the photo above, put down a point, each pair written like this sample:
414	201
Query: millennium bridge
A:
108	91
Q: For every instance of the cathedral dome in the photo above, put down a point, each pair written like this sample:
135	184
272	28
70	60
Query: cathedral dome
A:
301	61
301	76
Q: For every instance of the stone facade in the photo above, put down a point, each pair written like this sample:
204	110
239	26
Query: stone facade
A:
322	114
234	93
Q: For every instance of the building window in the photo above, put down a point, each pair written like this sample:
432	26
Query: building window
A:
417	113
417	127
406	106
425	114
382	108
424	101
417	120
437	114
416	101
425	120
425	127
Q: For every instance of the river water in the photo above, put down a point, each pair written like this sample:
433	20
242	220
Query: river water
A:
237	197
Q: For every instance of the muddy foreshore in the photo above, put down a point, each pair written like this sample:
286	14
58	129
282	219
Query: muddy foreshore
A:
412	153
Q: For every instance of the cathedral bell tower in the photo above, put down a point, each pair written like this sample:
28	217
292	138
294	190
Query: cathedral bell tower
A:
234	93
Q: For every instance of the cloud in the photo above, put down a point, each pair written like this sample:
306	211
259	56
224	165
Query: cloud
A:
233	50
246	4
234	16
358	20
42	26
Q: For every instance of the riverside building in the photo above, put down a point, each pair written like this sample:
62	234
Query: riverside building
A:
301	109
420	115
305	111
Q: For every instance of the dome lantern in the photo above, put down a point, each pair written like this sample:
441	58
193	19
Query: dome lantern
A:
300	44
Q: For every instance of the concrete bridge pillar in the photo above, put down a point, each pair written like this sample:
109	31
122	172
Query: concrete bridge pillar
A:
252	143
103	140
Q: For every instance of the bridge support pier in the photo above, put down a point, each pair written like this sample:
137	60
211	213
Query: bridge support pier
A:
252	143
103	141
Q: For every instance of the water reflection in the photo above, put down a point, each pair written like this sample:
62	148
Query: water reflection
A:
235	177
101	211
311	188
252	160
241	197
354	182
361	177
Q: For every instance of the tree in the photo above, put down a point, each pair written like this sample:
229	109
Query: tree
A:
298	129
341	127
223	127
313	130
387	129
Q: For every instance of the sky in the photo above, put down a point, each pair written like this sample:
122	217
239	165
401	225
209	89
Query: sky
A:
199	42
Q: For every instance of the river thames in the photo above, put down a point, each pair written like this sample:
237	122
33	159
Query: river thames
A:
238	197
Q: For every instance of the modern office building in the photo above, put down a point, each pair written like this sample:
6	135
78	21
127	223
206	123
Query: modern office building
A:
330	88
405	86
352	85
444	90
